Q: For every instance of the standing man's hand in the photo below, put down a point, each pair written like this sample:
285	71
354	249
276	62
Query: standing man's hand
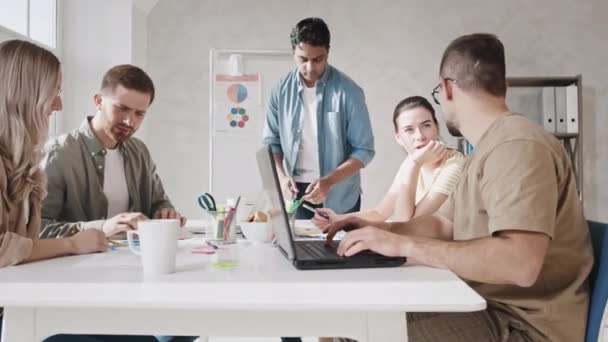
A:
170	214
122	223
317	191
288	185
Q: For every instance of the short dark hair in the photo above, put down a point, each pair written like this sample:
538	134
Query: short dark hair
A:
476	62
411	103
312	31
130	77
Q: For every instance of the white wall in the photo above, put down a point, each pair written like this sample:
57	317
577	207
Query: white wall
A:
139	46
5	35
139	36
96	36
8	34
391	48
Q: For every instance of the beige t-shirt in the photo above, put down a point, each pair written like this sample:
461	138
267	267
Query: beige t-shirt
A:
444	178
519	177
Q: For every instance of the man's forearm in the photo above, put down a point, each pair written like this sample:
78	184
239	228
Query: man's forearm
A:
345	170
490	260
432	226
278	162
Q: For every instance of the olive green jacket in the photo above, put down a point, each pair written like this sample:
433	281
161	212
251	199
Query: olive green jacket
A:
74	165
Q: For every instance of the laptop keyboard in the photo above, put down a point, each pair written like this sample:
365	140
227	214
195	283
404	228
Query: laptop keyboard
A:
318	250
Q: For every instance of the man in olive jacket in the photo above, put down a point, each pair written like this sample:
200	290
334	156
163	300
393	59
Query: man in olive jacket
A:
99	176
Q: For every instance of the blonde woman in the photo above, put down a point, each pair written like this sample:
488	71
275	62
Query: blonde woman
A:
30	83
30	92
426	177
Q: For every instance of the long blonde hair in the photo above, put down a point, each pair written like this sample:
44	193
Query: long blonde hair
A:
28	86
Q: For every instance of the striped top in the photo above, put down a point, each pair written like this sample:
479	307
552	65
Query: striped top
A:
445	177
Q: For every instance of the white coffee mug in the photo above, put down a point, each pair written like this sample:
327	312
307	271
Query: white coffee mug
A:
157	245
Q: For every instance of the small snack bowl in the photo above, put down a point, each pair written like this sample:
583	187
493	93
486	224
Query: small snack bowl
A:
256	231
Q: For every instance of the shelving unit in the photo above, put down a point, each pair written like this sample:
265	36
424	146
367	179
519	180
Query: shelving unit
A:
572	142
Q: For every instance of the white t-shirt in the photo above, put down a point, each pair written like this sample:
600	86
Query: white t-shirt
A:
307	163
115	183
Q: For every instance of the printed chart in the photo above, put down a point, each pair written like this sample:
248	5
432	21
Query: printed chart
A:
237	108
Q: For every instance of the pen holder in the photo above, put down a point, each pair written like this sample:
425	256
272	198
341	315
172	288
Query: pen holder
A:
221	227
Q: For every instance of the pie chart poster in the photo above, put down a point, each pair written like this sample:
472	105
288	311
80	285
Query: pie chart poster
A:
237	106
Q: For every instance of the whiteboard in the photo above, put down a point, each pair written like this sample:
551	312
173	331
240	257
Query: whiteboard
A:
233	168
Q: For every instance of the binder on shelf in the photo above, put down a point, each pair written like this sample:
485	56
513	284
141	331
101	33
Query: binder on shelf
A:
549	109
468	148
464	146
560	110
572	109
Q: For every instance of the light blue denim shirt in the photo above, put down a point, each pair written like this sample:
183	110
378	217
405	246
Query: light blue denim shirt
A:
343	126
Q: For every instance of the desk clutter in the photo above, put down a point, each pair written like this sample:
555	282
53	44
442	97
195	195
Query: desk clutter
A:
191	253
222	221
252	220
162	247
222	225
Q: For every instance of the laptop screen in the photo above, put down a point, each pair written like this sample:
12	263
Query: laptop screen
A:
274	196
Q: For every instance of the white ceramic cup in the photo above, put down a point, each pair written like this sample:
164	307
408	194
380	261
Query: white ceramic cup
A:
257	231
157	245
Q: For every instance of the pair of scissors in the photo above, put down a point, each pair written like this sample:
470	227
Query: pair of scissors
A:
207	202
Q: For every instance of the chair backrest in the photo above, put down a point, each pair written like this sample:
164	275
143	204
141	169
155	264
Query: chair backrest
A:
598	280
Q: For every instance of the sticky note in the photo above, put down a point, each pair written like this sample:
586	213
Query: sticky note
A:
224	264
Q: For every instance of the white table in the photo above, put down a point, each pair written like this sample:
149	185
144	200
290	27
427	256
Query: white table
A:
264	295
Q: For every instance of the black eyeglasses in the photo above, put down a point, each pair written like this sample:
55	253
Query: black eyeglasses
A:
436	89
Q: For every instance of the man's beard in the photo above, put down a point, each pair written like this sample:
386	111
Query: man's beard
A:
454	131
121	136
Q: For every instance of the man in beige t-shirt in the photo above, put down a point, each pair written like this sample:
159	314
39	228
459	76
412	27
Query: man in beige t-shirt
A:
515	232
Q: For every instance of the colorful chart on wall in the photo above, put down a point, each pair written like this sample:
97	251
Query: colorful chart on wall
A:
237	106
236	115
237	93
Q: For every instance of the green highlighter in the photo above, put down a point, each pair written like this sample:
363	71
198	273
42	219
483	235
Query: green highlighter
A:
295	205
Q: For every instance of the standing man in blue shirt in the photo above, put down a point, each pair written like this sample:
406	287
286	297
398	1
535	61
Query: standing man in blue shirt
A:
318	126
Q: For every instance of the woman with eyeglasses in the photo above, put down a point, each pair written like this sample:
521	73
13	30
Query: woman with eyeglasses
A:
426	177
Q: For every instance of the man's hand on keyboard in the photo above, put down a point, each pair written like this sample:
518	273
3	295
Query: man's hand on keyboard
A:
374	239
348	224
